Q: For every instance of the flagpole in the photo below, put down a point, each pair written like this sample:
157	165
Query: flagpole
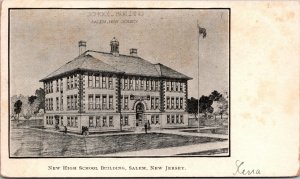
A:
198	79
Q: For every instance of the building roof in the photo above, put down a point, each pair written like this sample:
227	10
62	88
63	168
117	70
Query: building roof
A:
107	62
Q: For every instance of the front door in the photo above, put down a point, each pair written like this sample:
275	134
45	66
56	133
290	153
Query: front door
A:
139	114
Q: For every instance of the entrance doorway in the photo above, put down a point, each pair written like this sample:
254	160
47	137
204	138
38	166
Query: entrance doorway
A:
139	114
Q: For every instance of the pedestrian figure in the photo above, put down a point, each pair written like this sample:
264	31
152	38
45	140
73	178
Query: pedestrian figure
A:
66	129
145	128
149	127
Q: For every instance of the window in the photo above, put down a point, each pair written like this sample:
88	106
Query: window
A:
121	120
75	81
131	84
52	104
110	82
168	85
126	102
57	103
126	120
177	86
90	81
45	88
181	103
152	102
177	119
61	120
57	85
61	85
61	103
152	85
177	103
156	85
98	121
104	102
69	122
68	102
172	85
152	119
110	102
147	84
68	82
46	104
104	82
126	83
75	102
142	84
172	103
72	121
111	124
91	121
75	122
51	83
104	121
157	119
97	81
156	103
47	120
137	84
181	119
97	102
173	119
168	119
181	86
168	102
91	101
72	102
72	82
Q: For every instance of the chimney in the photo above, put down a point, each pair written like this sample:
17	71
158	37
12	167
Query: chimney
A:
133	52
82	46
114	47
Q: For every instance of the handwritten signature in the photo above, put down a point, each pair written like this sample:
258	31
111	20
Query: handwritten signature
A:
240	169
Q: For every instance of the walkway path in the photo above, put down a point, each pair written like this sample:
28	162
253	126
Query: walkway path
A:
171	151
177	132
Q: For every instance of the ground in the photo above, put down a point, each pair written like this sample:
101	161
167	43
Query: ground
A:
28	142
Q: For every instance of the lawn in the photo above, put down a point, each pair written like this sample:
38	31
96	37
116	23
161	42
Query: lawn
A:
208	152
223	131
36	143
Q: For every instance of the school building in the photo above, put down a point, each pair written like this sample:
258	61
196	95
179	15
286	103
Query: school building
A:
109	91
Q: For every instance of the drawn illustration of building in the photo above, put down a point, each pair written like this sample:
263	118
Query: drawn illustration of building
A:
105	91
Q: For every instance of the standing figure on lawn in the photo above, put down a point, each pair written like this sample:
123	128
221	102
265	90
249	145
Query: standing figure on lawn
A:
146	127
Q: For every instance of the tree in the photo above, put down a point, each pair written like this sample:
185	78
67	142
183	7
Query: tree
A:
192	106
205	103
31	99
221	105
18	108
40	94
215	96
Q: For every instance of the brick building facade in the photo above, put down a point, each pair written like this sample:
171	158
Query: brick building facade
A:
111	92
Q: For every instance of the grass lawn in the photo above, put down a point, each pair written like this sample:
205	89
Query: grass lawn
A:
223	131
208	152
36	143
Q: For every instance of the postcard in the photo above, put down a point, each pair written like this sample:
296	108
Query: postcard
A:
149	89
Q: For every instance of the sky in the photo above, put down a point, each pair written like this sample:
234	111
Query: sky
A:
43	40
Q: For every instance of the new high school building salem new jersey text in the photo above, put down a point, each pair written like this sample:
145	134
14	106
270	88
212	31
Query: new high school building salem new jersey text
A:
102	91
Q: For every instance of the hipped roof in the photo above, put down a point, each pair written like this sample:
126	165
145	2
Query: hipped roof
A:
124	64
